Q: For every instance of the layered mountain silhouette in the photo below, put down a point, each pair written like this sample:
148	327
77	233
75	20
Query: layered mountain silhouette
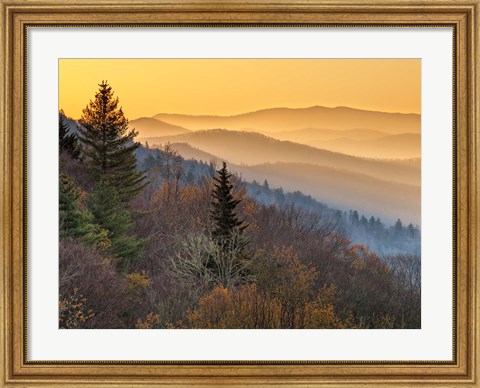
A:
358	142
148	127
249	148
287	119
346	130
321	134
188	152
339	188
347	158
342	188
405	145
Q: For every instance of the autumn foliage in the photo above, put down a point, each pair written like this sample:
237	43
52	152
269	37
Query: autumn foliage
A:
192	249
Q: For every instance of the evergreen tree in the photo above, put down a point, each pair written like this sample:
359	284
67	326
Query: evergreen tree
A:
363	221
76	222
228	231
411	231
338	217
67	142
398	227
279	195
109	144
354	217
223	211
106	207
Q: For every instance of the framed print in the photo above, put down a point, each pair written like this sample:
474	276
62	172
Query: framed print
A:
245	194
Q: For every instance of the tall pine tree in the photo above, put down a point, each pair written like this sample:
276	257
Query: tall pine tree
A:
105	204
227	232
109	144
223	214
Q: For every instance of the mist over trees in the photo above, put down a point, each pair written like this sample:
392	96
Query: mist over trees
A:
381	238
150	240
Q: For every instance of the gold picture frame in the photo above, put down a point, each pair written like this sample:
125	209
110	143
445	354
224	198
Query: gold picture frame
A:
18	15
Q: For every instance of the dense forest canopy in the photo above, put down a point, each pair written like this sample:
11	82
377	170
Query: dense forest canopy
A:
149	239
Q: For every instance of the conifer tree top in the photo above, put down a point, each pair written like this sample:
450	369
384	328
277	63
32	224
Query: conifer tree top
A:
223	212
103	113
109	144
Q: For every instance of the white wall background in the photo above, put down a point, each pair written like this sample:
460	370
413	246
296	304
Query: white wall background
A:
432	342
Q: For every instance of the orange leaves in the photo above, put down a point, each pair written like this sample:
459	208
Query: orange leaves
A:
213	310
191	194
138	281
150	321
247	307
165	194
282	274
234	308
284	296
73	311
249	212
249	208
318	317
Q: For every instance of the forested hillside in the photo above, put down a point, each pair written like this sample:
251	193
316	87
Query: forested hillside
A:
383	238
150	240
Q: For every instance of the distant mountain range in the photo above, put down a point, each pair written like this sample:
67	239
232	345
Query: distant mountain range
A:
343	157
287	119
336	187
148	127
366	143
350	131
247	148
342	188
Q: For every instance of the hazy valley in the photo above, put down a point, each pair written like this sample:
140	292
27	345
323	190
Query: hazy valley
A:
346	158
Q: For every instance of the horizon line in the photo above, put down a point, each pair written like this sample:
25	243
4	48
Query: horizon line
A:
260	110
276	107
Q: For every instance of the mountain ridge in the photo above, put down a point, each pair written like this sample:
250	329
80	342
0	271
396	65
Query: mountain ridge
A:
147	126
281	119
342	188
338	188
340	107
239	147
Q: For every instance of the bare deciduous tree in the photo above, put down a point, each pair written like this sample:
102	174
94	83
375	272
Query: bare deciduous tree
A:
201	261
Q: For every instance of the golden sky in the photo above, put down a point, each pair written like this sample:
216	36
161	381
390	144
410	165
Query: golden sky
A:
146	87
